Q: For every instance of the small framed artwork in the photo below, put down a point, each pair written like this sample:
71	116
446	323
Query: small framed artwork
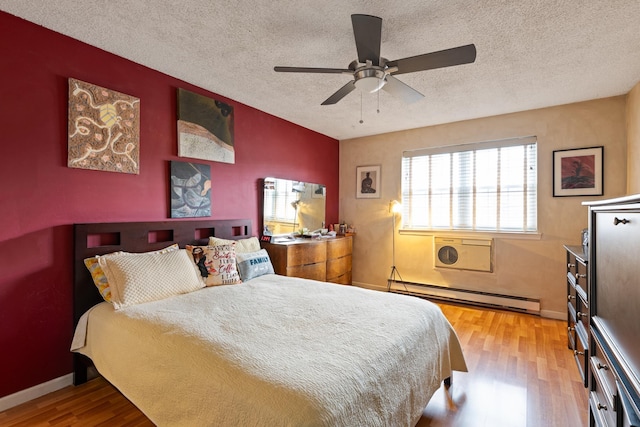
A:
578	172
368	182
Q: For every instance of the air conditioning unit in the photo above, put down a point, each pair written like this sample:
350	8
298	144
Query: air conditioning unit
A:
463	253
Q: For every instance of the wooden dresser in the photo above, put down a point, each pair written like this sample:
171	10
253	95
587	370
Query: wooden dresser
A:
327	260
578	308
614	279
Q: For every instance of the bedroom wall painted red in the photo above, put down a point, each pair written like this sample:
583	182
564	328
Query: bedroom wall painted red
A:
41	197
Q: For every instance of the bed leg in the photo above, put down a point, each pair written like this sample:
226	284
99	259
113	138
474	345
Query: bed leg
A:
79	369
447	382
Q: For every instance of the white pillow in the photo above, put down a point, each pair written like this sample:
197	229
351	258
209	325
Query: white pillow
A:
243	246
254	264
150	276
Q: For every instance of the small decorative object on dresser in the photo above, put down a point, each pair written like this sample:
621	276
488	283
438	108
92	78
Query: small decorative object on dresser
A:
614	231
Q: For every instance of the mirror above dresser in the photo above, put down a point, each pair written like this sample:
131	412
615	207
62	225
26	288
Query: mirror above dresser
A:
290	206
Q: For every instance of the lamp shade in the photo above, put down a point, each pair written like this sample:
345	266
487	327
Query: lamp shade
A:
395	206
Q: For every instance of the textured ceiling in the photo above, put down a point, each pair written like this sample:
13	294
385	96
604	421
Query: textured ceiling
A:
530	53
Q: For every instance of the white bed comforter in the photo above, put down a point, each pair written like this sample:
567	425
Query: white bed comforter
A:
275	351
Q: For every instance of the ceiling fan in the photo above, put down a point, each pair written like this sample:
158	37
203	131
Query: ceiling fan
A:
371	72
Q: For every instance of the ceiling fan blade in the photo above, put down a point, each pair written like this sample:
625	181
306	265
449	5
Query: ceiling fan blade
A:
429	61
312	70
367	31
401	90
341	93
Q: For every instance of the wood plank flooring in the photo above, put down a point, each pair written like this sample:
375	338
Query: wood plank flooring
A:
520	374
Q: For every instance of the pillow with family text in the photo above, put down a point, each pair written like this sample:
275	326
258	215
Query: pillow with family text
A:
254	264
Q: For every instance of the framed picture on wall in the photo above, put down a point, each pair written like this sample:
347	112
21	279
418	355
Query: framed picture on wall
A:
368	182
578	172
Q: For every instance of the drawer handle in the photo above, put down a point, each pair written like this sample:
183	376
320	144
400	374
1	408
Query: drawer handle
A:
571	329
580	314
578	353
580	276
622	221
570	265
601	406
570	297
601	366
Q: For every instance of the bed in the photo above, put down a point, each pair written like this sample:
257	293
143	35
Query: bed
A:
270	351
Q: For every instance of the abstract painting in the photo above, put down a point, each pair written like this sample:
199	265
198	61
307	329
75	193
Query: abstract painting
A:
578	172
190	189
205	128
103	129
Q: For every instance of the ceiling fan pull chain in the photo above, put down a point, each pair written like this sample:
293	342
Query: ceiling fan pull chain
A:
361	121
378	110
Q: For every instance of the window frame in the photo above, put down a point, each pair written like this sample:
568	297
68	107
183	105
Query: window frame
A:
529	190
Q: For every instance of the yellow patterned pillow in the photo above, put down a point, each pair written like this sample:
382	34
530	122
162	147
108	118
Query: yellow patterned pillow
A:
98	276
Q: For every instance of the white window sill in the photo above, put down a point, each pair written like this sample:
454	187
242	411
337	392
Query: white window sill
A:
467	233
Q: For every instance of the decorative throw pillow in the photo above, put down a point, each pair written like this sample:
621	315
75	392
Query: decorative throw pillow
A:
254	264
216	264
97	274
251	244
151	276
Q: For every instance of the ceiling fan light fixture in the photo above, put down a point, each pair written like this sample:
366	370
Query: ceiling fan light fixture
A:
369	79
370	84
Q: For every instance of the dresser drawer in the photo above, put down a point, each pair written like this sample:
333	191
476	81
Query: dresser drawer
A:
309	253
601	415
581	280
343	279
571	326
338	267
316	271
339	247
581	353
604	380
582	313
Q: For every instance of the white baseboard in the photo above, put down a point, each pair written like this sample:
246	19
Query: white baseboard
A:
543	313
558	315
370	286
34	392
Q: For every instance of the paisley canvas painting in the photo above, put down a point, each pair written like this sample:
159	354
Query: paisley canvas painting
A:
103	129
190	190
205	128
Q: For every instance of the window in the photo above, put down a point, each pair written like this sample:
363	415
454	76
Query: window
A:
489	186
280	199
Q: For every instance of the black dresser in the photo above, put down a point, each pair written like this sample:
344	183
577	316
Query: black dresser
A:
614	307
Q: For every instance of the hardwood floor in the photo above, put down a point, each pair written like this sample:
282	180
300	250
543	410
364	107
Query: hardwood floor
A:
520	374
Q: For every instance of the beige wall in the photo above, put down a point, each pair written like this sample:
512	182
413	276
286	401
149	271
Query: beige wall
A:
530	267
633	141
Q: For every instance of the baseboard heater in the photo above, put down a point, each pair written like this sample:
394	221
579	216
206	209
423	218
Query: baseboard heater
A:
485	299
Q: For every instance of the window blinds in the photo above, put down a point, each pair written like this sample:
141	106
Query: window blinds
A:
488	186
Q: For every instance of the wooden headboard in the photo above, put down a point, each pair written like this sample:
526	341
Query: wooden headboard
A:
101	238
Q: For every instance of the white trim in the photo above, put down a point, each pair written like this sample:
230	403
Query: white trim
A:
472	234
34	392
558	315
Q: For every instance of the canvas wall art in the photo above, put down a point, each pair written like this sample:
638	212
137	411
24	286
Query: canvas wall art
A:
578	172
205	128
190	188
103	129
